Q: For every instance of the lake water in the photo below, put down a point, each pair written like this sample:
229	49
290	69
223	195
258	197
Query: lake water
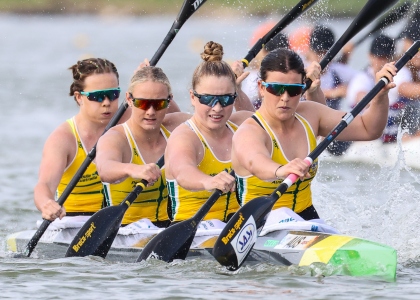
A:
362	200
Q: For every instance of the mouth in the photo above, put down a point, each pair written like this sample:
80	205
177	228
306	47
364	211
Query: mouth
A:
107	113
216	117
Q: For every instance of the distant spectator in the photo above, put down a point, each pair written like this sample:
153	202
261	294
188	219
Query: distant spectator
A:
249	85
382	50
411	90
334	78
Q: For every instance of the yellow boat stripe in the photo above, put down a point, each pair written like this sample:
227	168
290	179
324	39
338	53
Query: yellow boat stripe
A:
11	243
324	250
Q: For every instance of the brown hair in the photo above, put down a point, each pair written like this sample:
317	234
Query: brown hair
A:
213	65
87	67
282	60
149	73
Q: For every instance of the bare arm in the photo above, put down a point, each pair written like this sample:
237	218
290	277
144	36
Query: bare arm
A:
242	101
55	157
371	123
314	93
183	153
113	156
256	159
410	90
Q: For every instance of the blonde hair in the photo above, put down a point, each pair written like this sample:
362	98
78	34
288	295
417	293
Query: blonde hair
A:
213	65
149	73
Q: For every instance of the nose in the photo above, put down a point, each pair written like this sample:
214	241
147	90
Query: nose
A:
217	106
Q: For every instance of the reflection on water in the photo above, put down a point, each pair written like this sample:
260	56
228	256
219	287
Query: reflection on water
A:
361	200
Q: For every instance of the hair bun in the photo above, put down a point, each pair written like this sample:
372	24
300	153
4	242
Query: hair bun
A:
212	52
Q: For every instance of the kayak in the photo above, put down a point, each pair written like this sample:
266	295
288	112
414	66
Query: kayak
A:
285	241
384	155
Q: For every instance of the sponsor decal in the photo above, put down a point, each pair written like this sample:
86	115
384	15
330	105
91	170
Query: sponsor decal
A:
271	243
245	239
306	5
287	220
298	242
197	4
83	239
232	231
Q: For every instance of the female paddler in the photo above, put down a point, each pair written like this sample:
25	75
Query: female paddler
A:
96	90
273	143
128	152
198	155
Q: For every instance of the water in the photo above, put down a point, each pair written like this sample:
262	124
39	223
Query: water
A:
376	203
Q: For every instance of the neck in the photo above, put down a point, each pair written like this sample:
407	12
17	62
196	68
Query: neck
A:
210	132
142	136
88	127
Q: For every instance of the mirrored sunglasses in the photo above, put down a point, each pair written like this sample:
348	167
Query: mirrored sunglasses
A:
145	104
211	100
99	95
277	89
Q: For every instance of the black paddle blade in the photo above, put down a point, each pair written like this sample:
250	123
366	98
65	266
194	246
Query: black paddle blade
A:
97	234
172	243
238	237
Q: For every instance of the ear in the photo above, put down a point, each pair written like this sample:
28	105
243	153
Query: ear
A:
260	87
128	99
79	98
192	98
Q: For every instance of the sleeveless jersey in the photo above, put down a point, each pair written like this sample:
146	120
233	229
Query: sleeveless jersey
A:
185	203
299	196
87	196
152	202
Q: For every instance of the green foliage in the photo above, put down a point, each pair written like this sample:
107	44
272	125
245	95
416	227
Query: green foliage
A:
140	7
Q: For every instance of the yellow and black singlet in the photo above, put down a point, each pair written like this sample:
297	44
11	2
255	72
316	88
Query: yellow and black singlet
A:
299	196
88	195
152	202
185	203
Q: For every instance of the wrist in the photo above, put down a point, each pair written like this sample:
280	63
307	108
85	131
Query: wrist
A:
275	172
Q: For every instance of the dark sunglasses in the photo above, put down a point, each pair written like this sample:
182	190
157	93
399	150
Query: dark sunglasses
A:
211	100
158	104
99	95
276	88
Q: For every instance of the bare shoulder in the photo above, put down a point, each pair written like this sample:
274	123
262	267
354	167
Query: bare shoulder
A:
240	116
173	120
249	129
115	136
61	137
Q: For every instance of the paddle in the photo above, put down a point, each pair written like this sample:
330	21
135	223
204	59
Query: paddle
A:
392	17
175	241
239	235
296	11
97	234
187	10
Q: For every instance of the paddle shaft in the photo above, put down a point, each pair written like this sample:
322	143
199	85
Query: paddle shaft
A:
296	11
394	16
371	10
187	9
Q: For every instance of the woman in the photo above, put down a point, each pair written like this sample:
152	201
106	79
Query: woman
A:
95	89
199	151
273	143
128	152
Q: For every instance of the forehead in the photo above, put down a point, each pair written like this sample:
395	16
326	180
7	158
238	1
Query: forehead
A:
289	77
215	84
150	88
101	81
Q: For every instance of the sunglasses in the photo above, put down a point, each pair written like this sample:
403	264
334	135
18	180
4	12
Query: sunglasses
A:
99	95
277	89
158	104
211	100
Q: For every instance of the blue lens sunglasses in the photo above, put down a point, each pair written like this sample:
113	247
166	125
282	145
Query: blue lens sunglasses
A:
277	88
211	100
99	95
